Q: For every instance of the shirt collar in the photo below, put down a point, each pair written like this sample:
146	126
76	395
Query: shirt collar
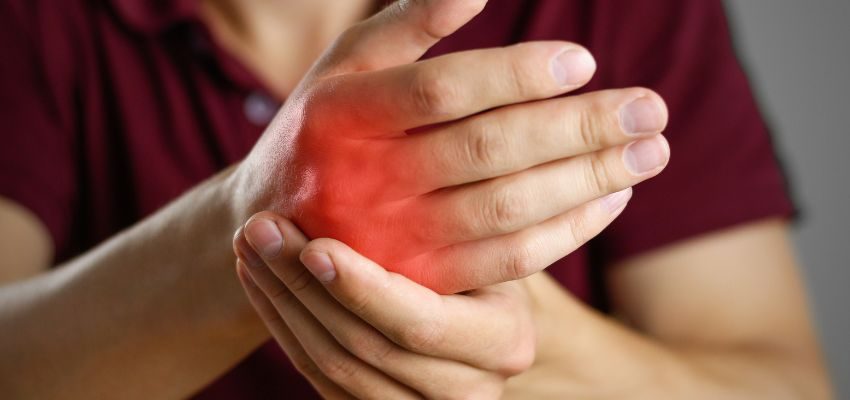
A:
152	17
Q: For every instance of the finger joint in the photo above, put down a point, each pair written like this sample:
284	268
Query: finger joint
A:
599	179
434	96
422	335
505	211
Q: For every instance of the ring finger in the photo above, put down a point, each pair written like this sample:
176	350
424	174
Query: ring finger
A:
514	202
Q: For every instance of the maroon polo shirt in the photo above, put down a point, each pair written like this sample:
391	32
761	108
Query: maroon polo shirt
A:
112	108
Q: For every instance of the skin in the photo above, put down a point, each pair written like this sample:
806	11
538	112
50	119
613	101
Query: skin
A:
164	295
353	173
364	332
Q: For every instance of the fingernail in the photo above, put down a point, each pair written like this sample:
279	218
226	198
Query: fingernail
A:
264	237
615	201
645	155
643	115
573	67
320	265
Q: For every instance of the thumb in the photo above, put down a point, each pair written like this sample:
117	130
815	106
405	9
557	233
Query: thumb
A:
399	34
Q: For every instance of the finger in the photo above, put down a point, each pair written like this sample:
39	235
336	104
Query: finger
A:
488	336
430	376
399	34
332	360
518	137
288	342
514	256
452	86
514	202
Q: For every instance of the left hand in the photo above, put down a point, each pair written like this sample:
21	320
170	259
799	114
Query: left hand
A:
356	330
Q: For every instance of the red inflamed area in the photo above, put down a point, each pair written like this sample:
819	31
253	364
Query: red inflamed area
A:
346	191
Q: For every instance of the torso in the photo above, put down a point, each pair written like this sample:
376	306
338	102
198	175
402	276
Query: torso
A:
151	103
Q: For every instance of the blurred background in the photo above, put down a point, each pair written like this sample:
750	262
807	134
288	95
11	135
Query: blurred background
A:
797	54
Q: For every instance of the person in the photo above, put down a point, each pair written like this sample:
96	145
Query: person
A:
140	135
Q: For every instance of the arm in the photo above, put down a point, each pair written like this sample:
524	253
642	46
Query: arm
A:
155	311
732	325
719	316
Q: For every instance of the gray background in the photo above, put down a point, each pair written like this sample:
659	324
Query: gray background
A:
797	54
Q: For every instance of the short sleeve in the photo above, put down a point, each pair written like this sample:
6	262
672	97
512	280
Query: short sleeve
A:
723	170
36	163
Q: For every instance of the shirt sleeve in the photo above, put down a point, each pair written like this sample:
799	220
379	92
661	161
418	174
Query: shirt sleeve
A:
36	163
723	170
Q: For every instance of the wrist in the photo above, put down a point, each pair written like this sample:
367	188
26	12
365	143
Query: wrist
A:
237	194
246	191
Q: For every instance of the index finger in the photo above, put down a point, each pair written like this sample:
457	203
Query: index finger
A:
451	86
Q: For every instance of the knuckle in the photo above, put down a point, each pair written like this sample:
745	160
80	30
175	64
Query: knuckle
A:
433	95
337	369
298	281
520	77
504	211
519	261
520	359
281	295
579	227
381	353
486	147
369	346
524	69
519	345
598	176
357	302
589	128
421	336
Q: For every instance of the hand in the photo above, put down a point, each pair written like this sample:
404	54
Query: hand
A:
340	160
354	329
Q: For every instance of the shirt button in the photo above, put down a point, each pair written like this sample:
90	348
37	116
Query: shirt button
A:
260	108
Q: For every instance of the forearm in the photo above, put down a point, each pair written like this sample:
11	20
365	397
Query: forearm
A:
153	312
587	355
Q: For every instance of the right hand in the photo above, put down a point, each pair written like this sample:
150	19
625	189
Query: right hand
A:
494	175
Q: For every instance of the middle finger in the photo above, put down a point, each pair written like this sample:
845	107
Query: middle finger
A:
514	202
